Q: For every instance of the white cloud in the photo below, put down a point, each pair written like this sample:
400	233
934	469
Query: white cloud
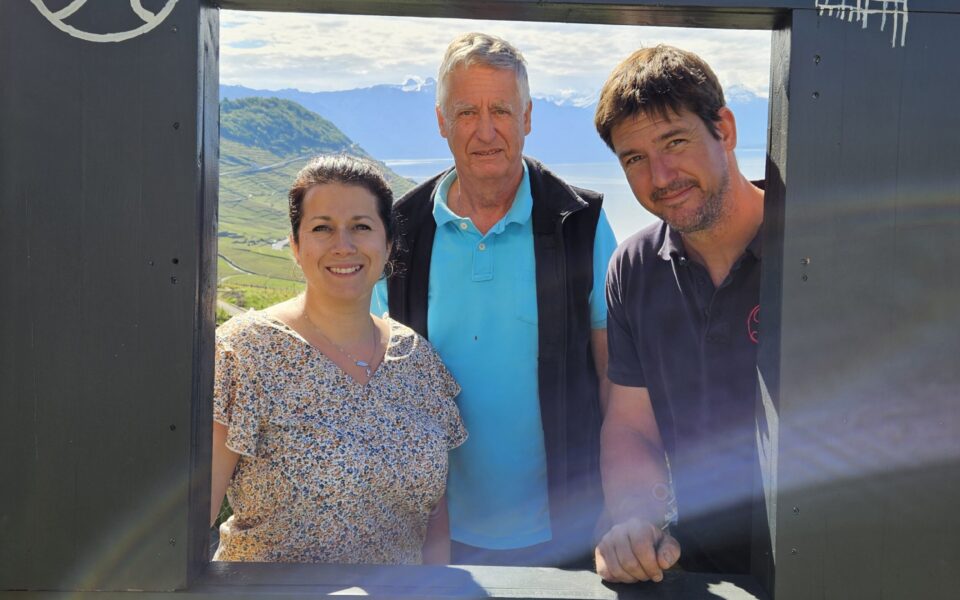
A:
333	52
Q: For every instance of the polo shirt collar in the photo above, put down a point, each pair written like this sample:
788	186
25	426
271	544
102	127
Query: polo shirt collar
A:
672	246
519	211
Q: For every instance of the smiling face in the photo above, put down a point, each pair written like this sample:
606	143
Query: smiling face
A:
484	121
342	246
676	168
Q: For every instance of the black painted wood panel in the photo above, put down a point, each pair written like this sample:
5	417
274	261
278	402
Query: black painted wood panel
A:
869	456
768	353
737	14
101	182
208	160
745	14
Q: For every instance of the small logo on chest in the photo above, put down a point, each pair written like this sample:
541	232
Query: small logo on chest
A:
753	324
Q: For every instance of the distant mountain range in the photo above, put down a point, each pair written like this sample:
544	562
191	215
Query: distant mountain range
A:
399	122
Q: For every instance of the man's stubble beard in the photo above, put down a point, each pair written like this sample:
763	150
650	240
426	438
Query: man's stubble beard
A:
711	211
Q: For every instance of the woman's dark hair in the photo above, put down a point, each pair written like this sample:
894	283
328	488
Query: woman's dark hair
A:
348	170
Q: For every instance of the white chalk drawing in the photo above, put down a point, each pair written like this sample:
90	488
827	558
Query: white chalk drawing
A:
895	10
150	20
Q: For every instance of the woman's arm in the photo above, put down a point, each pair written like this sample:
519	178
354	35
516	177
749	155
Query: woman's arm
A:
224	462
436	546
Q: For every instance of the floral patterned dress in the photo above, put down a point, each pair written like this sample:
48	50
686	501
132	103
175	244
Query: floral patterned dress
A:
331	470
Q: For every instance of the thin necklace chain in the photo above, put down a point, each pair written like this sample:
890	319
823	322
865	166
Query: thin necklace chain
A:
363	364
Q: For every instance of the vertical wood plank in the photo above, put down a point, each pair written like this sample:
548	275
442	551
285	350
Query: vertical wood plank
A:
101	175
869	456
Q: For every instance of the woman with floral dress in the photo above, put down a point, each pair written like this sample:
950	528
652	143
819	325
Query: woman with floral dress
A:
331	425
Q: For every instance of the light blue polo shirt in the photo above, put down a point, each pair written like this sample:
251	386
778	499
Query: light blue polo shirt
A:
483	321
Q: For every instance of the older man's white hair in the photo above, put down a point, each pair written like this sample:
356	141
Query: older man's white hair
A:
482	49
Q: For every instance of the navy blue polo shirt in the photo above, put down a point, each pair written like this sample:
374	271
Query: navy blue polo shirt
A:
693	346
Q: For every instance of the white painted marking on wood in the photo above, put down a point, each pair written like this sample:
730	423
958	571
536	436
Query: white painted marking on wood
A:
897	10
143	13
69	9
150	20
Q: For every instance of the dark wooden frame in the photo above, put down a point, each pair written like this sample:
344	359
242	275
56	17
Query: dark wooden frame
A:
108	187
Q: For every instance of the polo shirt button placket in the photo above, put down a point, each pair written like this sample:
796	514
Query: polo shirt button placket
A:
482	262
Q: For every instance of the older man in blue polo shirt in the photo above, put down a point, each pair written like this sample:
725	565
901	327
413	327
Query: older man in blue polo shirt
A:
500	264
683	297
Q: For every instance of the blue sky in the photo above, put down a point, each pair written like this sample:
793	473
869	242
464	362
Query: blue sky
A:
571	61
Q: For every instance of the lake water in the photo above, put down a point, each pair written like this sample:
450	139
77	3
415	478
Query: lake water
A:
625	214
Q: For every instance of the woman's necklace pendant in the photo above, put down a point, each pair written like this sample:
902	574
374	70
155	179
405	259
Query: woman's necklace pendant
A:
365	366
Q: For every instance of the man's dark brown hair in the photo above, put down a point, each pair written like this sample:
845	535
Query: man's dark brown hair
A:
659	81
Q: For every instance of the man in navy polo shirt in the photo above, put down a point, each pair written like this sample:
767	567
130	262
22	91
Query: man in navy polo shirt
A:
501	265
678	445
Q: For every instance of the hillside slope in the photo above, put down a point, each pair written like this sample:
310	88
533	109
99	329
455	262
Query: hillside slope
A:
264	142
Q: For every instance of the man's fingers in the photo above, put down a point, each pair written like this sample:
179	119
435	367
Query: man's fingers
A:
633	544
627	558
602	569
608	567
668	552
635	551
643	539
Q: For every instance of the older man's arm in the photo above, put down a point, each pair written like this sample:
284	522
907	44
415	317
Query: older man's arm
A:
604	244
436	545
598	345
636	490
